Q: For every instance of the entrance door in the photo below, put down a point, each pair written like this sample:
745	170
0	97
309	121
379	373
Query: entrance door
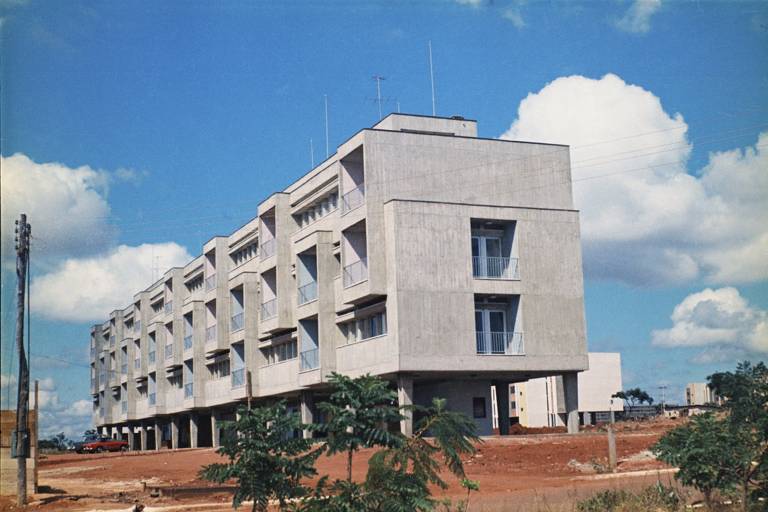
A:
486	256
491	327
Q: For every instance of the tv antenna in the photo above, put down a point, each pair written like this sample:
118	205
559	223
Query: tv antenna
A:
432	77
379	99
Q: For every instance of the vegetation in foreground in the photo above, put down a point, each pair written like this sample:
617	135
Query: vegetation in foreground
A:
270	462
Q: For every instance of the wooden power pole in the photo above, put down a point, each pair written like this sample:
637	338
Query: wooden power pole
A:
21	434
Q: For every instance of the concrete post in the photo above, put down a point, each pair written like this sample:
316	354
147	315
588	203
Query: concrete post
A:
193	419
307	411
587	418
131	441
143	437
158	435
571	391
405	397
175	433
215	437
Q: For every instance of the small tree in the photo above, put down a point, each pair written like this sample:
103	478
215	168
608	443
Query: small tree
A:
264	457
634	396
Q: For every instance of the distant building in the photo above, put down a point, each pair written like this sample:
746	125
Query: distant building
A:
541	403
699	393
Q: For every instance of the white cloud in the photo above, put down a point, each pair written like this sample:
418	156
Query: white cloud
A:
719	319
7	381
473	3
637	19
87	289
67	207
514	16
645	220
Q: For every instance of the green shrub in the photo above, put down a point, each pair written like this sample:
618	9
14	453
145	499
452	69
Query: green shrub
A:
657	498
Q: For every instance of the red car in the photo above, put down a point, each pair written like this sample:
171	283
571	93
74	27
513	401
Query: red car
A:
103	444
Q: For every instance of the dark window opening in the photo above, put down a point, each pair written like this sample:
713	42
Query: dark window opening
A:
478	407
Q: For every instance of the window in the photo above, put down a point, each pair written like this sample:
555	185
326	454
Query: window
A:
319	209
195	284
279	353
478	407
244	254
366	327
219	369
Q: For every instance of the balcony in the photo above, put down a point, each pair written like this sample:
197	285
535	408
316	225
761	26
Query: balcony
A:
217	389
307	293
210	334
210	282
137	363
168	307
188	390
310	359
124	369
267	249
93	353
124	407
152	399
495	267
356	272
238	378
102	378
151	357
500	343
269	309
111	341
187	342
137	326
101	412
236	322
353	199
169	351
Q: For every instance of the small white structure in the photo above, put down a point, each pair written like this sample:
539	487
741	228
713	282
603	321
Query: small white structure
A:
540	402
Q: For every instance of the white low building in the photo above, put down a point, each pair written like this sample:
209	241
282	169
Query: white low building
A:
541	402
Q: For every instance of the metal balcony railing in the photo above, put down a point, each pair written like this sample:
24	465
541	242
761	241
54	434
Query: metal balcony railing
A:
111	341
355	272
151	357
495	267
137	363
112	375
307	292
267	249
310	359
353	198
500	343
210	334
269	309
236	322
102	377
238	378
168	307
188	390
124	407
124	369
137	326
187	342
152	399
169	351
210	282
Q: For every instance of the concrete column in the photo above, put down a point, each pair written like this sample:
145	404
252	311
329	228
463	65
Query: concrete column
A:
502	406
143	437
175	433
193	419
405	397
158	435
307	411
131	443
215	438
587	418
571	392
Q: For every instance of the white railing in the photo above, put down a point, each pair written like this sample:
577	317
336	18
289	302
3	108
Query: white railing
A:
187	342
168	307
124	407
495	267
269	309
137	326
151	357
152	399
267	249
355	272
124	369
188	390
236	323
307	292
111	341
137	363
238	378
169	351
310	359
353	198
210	334
500	343
210	282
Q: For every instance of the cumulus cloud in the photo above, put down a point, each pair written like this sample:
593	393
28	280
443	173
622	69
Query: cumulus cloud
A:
637	19
7	381
66	206
87	289
514	16
719	319
645	219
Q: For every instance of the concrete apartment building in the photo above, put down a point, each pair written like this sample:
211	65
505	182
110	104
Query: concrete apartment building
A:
699	393
540	402
445	263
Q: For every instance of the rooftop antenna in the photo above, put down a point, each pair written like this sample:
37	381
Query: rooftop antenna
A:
311	153
432	77
398	106
327	150
378	90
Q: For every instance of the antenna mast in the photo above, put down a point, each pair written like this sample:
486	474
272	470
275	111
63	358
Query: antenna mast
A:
432	77
378	91
327	150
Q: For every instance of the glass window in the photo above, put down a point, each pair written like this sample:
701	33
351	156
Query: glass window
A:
478	407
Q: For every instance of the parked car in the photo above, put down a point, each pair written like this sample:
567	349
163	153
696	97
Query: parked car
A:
98	444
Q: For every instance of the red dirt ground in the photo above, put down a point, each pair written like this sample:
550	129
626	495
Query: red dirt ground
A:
513	472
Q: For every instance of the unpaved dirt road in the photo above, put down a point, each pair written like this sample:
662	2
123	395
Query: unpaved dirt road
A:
544	472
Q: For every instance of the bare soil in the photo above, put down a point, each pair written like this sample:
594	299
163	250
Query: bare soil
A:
522	472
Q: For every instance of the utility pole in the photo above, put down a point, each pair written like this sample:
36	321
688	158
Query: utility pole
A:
21	434
663	389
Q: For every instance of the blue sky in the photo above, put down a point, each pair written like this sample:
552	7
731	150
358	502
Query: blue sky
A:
130	125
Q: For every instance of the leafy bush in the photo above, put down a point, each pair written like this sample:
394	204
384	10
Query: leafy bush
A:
656	497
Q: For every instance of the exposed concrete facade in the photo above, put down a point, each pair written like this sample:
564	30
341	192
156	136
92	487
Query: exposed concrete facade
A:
443	262
699	393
